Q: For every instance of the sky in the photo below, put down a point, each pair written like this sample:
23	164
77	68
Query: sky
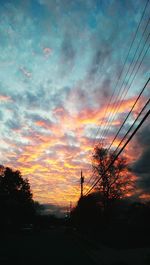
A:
59	62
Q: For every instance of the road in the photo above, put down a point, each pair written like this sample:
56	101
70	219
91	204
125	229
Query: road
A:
55	246
60	247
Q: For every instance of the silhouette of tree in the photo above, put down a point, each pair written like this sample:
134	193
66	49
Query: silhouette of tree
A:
87	213
114	183
16	204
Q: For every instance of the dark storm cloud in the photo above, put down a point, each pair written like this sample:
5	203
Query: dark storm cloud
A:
144	136
142	166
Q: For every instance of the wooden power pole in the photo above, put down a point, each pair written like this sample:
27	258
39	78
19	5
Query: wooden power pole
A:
81	183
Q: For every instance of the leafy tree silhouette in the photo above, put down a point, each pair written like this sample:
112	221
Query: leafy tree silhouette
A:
16	204
112	185
114	182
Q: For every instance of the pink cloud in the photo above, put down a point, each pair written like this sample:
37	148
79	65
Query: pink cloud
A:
4	98
54	158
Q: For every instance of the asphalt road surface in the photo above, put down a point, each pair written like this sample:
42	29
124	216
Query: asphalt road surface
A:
55	246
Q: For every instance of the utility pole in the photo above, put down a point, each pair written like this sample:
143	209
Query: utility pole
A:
70	208
81	183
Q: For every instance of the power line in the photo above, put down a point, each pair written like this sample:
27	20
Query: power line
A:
125	121
131	136
90	180
122	70
148	101
125	91
131	45
133	104
129	112
135	35
135	53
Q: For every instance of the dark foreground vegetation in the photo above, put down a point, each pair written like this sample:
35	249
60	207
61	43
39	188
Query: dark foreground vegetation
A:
102	218
18	211
104	215
123	224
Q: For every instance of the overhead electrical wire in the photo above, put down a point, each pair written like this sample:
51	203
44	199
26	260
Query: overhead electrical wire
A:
131	45
125	121
121	72
133	107
133	104
125	90
137	99
124	137
129	139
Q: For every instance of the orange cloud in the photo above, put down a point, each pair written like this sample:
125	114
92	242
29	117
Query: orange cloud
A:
145	197
52	160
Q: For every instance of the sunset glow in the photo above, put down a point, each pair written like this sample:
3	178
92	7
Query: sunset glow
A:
59	62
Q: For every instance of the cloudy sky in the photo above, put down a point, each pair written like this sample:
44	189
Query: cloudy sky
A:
59	62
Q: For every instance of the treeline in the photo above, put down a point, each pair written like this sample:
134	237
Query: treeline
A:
121	223
104	214
18	210
16	203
